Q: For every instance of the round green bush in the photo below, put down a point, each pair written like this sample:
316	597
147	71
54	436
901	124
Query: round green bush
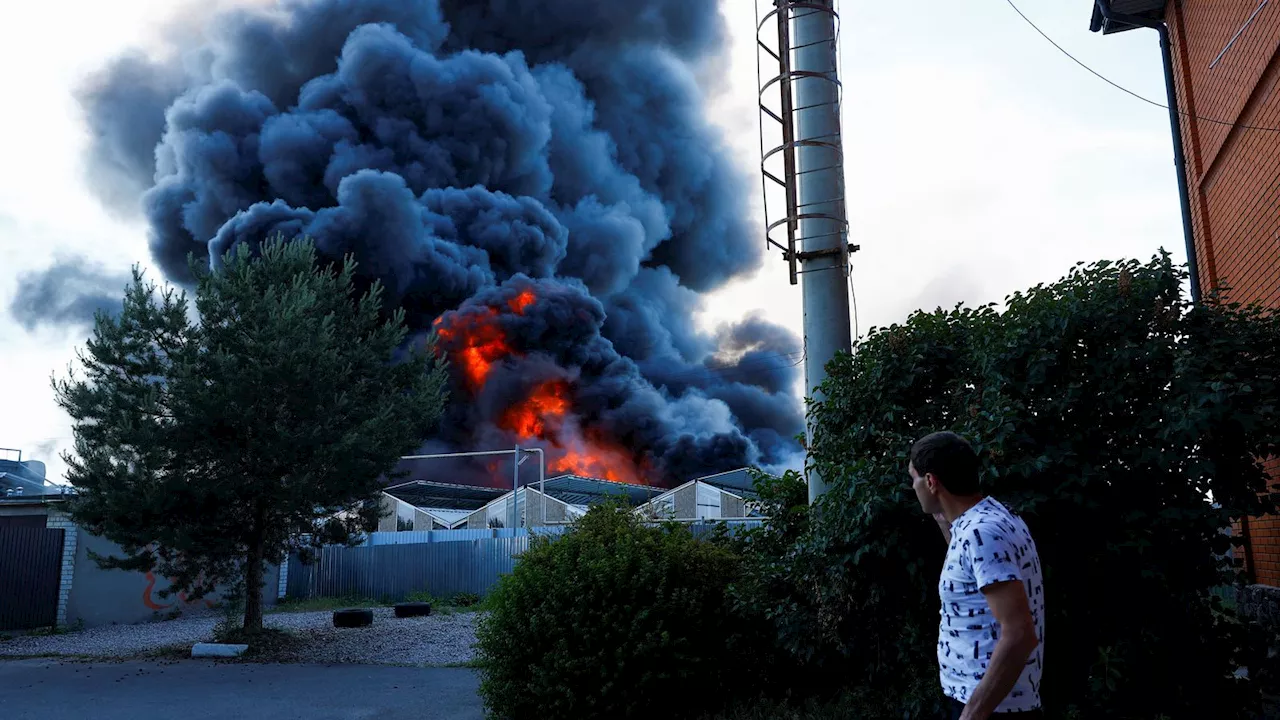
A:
614	619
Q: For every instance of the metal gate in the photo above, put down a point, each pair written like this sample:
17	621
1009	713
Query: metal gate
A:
30	569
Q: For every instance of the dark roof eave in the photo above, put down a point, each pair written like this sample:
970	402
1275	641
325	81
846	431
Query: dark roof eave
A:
1148	12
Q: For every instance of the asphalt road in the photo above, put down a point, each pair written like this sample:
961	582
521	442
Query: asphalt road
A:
202	690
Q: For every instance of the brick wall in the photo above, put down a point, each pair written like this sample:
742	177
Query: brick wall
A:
1233	171
1264	541
61	520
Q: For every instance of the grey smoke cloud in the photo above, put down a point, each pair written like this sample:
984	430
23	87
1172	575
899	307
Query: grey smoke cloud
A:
67	294
465	152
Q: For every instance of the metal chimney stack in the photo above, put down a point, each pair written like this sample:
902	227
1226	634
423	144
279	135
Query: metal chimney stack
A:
802	170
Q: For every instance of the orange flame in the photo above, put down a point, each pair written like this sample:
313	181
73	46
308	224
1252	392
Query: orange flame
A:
482	339
482	344
478	342
543	416
548	403
599	458
521	302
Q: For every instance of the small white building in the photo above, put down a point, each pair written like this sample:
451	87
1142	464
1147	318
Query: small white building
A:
534	510
566	499
697	500
398	512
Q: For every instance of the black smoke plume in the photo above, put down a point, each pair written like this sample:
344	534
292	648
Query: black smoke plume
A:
67	294
465	152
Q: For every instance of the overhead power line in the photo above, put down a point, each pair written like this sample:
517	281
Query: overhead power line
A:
1126	90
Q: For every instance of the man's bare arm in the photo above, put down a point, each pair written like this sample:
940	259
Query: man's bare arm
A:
1008	601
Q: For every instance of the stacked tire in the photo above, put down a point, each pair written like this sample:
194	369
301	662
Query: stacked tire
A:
352	618
413	609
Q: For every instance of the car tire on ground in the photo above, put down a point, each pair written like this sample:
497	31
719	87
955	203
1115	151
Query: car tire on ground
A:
413	609
352	618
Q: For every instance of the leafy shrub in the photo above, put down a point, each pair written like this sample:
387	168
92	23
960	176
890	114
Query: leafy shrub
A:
615	619
465	599
859	703
1107	411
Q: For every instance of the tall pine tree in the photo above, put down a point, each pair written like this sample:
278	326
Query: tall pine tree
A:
208	448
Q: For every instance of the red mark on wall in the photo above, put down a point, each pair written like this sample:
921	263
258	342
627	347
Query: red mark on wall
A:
152	600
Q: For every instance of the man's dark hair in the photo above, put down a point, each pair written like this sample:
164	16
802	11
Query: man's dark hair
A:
950	458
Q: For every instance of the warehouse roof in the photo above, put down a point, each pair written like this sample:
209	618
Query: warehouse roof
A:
737	481
570	489
577	490
445	496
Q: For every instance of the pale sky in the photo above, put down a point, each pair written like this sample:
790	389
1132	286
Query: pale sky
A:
980	161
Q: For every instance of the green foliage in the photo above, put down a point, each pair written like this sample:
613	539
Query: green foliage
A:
322	604
860	703
615	619
765	594
454	604
206	448
1105	409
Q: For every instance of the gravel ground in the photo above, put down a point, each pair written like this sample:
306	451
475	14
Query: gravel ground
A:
434	640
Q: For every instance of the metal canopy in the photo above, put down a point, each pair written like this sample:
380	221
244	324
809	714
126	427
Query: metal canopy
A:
576	490
448	518
445	496
736	481
1145	9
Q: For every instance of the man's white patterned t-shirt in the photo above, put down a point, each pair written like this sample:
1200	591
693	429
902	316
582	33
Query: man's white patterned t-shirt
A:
989	544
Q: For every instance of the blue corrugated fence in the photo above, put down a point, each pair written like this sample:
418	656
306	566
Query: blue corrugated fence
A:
392	572
391	566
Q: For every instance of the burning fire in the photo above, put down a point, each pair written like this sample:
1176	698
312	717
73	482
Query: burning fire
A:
521	302
482	344
545	414
599	459
548	403
482	339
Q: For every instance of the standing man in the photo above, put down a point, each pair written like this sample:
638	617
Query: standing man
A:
991	635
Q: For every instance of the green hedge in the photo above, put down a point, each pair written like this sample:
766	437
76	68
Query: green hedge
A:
615	619
1107	411
1122	423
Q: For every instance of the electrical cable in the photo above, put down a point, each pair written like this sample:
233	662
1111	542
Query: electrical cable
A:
1126	90
853	295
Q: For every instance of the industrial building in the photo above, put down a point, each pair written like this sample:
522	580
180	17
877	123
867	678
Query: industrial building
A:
725	496
694	501
426	505
557	501
24	478
430	505
399	514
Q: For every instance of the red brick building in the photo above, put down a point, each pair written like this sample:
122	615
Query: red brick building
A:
1223	61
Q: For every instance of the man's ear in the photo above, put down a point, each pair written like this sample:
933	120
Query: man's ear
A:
932	482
